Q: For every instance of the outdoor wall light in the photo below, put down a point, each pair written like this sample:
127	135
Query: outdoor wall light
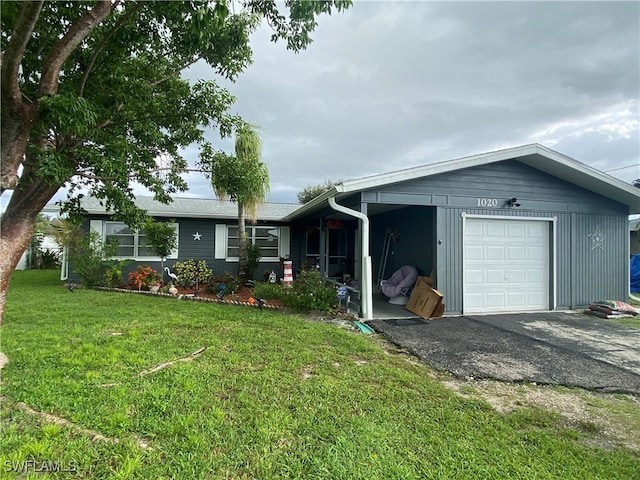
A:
513	202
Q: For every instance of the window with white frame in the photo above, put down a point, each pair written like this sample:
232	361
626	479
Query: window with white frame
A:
129	243
266	238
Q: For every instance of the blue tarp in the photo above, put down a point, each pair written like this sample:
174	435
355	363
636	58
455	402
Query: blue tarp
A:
635	273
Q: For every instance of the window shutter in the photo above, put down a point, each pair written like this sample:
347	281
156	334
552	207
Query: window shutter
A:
174	252
97	226
284	242
220	242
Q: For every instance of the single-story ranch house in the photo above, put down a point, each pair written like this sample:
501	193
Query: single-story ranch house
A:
520	229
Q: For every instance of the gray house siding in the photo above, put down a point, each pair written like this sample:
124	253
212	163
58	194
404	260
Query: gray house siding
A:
204	249
579	268
566	259
189	248
534	189
602	266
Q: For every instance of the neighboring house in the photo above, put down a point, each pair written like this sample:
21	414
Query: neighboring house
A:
634	236
519	229
48	243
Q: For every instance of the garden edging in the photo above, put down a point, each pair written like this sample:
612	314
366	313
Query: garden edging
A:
192	298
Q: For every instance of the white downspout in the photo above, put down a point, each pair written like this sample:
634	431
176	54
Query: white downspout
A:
366	278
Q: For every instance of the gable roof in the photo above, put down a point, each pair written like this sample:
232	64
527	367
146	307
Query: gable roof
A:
192	208
534	155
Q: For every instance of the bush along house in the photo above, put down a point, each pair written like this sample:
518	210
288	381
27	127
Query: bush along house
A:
520	229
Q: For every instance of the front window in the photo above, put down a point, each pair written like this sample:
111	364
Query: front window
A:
129	243
123	237
266	238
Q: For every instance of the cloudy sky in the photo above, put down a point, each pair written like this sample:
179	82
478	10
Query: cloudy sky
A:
390	85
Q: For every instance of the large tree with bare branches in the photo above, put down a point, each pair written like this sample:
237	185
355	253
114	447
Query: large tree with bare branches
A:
92	97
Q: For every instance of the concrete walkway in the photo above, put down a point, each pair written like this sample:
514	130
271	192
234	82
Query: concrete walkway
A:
554	348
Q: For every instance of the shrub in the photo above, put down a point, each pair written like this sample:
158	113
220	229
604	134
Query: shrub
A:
309	292
144	276
268	290
193	273
229	280
46	259
88	257
113	275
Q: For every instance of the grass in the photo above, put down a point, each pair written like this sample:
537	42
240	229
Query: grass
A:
273	396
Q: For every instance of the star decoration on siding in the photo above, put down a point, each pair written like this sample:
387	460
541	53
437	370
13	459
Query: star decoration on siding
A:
197	236
597	239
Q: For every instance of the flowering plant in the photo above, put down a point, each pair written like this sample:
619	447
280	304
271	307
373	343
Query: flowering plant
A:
144	276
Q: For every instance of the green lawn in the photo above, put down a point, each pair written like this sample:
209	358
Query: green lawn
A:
272	396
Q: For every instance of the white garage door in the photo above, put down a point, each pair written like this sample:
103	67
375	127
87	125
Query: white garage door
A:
506	265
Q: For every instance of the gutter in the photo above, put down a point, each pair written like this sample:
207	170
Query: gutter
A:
366	277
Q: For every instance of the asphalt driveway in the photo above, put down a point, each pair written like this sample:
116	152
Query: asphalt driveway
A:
556	348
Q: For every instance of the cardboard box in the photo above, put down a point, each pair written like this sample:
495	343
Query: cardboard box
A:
425	301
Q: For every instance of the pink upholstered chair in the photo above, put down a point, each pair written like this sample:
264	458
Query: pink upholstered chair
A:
399	286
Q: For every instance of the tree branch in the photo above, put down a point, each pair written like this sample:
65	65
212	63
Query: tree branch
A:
175	72
121	21
67	44
91	176
12	57
16	117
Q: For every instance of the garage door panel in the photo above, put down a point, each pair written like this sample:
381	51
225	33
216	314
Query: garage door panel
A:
475	276
536	254
516	276
516	300
474	231
495	229
516	230
538	231
494	277
516	252
474	253
474	301
538	298
536	277
495	300
506	265
494	252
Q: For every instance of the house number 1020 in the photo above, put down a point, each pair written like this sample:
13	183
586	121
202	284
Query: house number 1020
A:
487	202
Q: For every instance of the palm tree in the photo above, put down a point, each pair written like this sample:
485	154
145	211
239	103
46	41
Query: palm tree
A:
244	179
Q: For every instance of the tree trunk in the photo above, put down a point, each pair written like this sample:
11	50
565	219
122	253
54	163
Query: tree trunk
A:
15	238
17	227
243	255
